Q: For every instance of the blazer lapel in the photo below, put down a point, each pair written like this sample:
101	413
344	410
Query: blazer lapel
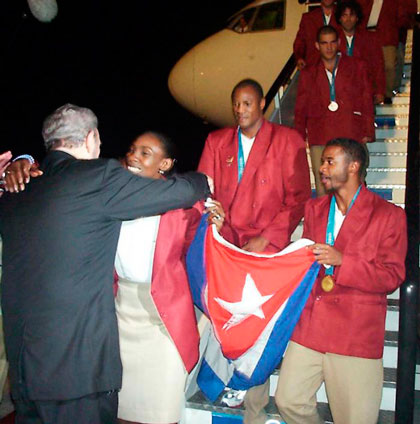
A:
355	223
257	154
228	157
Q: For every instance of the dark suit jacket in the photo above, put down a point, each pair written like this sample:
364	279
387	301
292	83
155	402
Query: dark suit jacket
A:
350	320
59	241
270	198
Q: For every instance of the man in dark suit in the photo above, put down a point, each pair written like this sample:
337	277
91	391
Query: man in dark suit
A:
59	241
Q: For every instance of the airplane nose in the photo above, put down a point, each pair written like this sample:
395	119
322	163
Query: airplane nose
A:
181	81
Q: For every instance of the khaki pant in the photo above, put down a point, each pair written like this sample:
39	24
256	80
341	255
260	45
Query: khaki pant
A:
316	154
390	59
353	385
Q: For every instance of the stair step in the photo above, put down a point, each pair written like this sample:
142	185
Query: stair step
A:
201	411
401	99
400	132
391	160
386	176
394	109
388	146
390	121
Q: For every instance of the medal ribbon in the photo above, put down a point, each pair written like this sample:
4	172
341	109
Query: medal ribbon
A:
241	158
350	46
329	238
332	83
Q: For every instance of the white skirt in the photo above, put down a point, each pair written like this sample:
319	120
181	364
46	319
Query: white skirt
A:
154	375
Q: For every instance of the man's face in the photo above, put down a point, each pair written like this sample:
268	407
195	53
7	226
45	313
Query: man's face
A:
334	170
327	3
247	107
327	46
348	20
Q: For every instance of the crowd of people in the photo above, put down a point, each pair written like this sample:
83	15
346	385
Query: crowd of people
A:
77	226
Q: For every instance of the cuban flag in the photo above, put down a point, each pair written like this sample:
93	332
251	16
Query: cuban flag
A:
253	302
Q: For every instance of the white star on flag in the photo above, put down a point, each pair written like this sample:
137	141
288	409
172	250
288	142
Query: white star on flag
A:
250	304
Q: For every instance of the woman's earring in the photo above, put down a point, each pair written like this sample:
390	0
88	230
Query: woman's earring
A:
161	172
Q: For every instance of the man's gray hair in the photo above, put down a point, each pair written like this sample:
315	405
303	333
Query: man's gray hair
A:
68	126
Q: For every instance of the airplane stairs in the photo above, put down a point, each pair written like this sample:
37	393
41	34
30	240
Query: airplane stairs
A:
386	176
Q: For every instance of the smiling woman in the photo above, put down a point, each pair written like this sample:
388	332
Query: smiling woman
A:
156	321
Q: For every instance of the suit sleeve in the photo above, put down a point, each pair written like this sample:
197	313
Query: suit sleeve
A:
382	270
367	102
299	45
126	196
376	64
206	164
301	105
296	189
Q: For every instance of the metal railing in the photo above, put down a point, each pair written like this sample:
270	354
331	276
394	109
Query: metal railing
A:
409	291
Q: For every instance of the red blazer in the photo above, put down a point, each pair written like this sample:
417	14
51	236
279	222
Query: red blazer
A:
394	15
350	320
355	115
367	48
269	200
304	45
170	290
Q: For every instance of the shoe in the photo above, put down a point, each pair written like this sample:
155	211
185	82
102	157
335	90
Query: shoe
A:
233	398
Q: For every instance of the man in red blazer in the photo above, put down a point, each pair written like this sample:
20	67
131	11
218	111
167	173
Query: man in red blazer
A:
262	208
392	16
334	100
339	338
357	42
304	46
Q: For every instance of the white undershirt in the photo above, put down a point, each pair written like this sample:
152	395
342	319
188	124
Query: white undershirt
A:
338	221
246	145
327	19
329	74
136	249
349	39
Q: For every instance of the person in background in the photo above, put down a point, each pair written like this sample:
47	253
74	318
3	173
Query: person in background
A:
334	100
361	241
304	45
385	18
261	181
156	321
357	42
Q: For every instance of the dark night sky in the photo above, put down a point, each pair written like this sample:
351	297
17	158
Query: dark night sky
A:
111	56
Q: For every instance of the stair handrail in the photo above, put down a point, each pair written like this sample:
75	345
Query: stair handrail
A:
409	291
281	80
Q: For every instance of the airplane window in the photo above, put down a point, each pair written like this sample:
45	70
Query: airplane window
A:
270	16
242	22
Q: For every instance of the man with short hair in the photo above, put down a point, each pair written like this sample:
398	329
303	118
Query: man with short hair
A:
304	45
334	100
357	42
59	241
361	241
261	179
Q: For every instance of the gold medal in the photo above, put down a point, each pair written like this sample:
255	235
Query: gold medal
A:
327	283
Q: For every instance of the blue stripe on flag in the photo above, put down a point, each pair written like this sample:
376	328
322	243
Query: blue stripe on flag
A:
209	379
196	265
